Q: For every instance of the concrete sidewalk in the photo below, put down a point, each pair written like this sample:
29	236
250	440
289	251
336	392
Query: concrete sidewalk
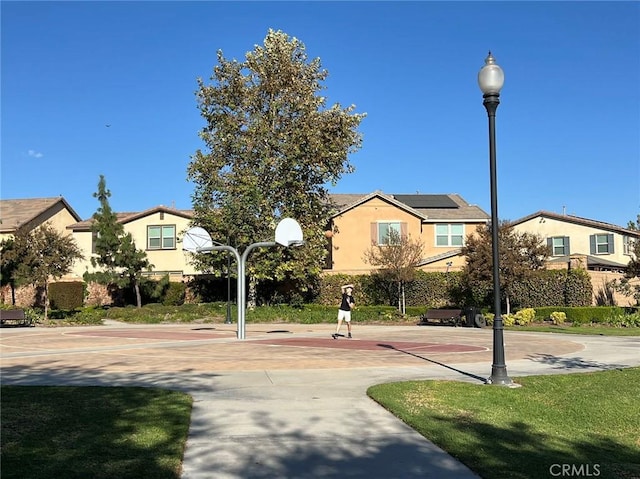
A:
288	401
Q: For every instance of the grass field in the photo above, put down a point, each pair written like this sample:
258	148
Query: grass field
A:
589	421
92	432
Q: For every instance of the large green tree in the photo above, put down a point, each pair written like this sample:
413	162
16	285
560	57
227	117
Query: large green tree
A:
115	251
396	261
272	147
520	255
43	254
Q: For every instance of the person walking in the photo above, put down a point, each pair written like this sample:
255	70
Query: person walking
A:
344	312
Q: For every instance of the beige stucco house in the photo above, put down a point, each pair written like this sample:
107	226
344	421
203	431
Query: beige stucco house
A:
603	249
157	231
33	212
441	221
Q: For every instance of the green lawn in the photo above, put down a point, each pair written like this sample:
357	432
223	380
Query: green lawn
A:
92	432
588	420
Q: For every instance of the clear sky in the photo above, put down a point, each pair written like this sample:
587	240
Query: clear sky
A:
568	126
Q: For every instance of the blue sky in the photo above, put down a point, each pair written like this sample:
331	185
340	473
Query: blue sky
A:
568	126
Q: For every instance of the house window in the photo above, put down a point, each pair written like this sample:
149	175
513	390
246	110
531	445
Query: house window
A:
601	243
559	245
161	237
381	232
449	235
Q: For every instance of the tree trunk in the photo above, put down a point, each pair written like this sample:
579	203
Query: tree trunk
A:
508	304
46	300
251	300
136	288
404	302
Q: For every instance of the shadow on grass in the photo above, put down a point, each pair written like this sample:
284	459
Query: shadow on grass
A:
479	378
92	432
518	452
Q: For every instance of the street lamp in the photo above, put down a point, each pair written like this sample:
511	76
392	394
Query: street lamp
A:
491	79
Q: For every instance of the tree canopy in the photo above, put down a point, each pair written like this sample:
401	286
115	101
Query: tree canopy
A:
520	254
41	254
272	146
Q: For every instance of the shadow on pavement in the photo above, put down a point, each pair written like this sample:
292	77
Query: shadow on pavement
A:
479	378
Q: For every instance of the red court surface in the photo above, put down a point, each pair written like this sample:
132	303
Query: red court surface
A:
156	334
341	343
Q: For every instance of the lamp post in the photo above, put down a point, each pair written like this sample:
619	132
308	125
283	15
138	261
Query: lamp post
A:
490	80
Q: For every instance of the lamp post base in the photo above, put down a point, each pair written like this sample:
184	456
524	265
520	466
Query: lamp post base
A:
499	377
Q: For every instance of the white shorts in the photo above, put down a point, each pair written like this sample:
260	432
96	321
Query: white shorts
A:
346	315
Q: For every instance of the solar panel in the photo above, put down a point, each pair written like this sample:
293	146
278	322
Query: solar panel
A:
427	201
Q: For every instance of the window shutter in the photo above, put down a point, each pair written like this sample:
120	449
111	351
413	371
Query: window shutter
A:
567	249
592	243
610	241
374	233
550	244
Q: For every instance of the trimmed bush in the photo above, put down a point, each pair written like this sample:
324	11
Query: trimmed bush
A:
66	295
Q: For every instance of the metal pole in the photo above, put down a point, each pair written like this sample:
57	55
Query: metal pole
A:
499	368
228	320
242	305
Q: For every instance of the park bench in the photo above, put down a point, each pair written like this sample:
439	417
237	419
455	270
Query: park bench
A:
14	317
450	317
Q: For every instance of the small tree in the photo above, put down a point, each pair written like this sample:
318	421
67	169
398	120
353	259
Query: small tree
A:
116	251
520	254
10	259
396	259
630	284
45	254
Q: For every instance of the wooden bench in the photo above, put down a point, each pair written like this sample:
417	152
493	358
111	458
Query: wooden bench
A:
450	317
14	317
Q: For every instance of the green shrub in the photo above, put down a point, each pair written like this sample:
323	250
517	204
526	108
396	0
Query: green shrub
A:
508	319
67	295
174	294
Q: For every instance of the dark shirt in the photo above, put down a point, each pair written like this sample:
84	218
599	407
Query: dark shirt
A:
347	302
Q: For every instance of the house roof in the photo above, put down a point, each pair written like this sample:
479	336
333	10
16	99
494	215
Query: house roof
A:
440	257
592	262
436	207
579	221
125	218
17	213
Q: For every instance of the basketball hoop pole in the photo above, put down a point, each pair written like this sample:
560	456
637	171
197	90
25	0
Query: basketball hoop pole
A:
288	234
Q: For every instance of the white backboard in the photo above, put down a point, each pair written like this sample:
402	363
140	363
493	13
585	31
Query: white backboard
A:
289	233
195	238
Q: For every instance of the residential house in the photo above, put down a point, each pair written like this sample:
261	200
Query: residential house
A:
441	221
157	231
33	212
602	249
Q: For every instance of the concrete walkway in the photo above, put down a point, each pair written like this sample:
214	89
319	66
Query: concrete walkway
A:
289	401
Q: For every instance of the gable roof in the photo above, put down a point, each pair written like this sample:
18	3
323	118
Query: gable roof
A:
124	218
434	207
579	221
20	212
